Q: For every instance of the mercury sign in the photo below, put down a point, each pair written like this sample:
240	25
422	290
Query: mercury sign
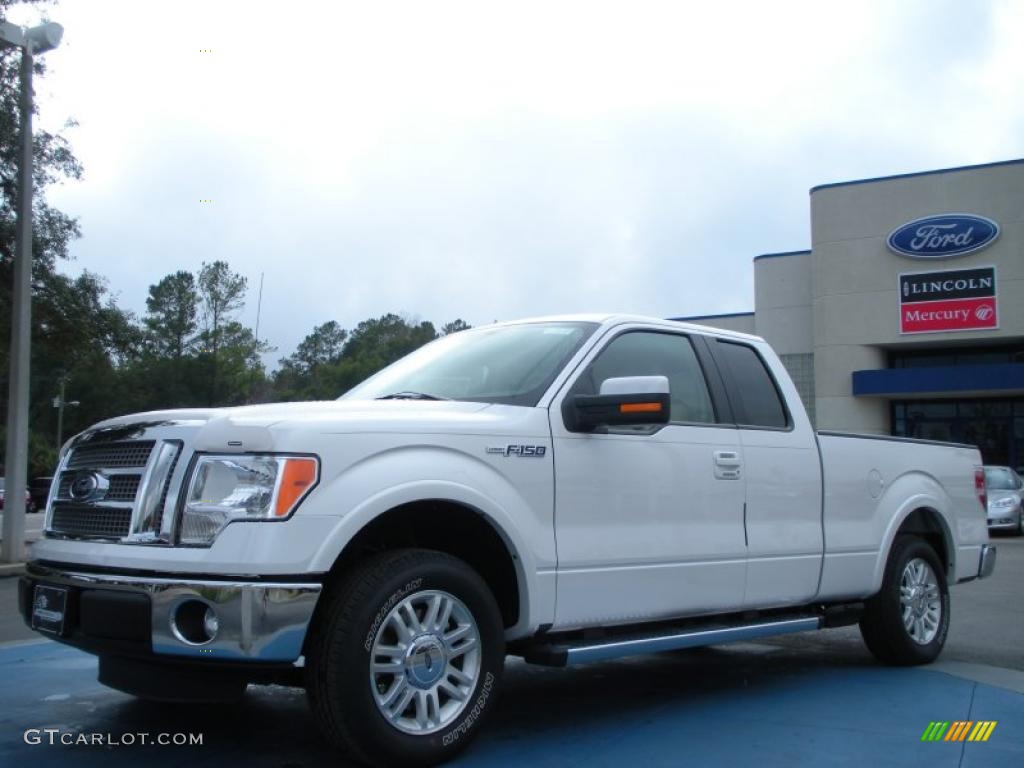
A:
950	300
942	237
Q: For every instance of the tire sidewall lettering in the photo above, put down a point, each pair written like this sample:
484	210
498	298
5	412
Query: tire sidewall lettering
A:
474	714
385	609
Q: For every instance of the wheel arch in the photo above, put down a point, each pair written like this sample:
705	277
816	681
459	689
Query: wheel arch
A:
922	518
442	524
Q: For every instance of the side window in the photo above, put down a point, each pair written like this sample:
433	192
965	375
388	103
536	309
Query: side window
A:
760	403
642	353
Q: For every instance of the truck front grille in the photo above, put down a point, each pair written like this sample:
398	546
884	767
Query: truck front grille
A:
122	490
122	487
88	521
125	454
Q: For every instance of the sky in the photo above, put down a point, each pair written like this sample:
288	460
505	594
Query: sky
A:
492	161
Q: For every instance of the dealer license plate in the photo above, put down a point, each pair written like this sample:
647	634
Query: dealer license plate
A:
49	606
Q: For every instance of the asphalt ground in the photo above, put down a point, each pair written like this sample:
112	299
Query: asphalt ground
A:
811	699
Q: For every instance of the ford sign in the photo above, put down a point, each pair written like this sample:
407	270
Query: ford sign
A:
943	236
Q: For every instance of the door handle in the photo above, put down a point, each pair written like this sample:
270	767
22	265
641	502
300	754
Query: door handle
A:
727	465
727	458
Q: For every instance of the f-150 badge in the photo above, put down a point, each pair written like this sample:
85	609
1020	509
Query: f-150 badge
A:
524	451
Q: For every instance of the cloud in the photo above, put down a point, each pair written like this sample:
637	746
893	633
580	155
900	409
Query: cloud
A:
492	162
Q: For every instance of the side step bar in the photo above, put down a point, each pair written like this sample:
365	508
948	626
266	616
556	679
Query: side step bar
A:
560	654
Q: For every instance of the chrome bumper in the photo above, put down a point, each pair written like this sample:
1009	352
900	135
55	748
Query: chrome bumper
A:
987	563
258	621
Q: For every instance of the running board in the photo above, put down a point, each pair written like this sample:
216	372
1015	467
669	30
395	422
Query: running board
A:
561	654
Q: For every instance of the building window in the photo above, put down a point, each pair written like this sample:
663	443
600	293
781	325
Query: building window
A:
995	425
932	358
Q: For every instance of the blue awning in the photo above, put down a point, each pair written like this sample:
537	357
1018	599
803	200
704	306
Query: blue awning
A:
952	379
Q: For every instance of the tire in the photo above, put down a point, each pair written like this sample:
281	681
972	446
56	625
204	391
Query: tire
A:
361	712
913	568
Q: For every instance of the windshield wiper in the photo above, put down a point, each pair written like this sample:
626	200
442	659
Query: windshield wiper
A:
411	396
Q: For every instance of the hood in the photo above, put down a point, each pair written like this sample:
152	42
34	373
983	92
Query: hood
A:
321	411
254	424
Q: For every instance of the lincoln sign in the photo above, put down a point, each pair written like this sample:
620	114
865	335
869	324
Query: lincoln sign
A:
951	300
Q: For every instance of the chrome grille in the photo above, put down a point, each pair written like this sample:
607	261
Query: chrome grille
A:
126	484
88	520
125	454
122	487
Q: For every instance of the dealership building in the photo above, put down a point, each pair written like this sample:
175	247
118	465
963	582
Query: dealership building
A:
906	316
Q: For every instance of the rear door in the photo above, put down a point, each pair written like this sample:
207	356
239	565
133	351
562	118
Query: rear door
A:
649	521
783	470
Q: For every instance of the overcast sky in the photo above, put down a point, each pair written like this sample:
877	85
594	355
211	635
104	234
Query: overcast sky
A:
499	160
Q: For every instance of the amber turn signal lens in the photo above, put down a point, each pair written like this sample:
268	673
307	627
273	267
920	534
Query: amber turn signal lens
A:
298	476
640	408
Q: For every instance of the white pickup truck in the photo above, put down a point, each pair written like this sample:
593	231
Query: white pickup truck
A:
563	489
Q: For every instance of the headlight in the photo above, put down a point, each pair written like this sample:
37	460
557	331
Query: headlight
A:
243	487
1008	503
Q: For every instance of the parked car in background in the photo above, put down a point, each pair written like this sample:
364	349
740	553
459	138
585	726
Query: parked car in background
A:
29	506
39	490
1005	490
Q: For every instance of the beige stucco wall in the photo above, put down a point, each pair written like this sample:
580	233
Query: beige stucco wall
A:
855	305
739	323
783	298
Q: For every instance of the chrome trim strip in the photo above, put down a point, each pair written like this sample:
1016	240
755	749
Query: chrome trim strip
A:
259	621
987	561
151	489
611	650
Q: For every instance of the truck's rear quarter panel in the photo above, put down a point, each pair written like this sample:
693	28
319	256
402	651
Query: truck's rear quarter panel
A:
872	484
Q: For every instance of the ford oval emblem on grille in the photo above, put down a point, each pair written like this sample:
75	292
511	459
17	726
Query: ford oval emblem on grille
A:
944	236
87	486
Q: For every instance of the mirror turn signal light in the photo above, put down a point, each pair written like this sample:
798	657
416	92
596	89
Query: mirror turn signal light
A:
640	408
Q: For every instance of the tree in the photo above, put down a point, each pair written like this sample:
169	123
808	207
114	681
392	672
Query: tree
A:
172	307
301	375
386	339
221	293
455	326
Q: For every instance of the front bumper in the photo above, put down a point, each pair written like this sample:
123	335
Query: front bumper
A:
128	615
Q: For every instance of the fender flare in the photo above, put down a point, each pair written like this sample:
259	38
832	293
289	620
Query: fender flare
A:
934	499
496	515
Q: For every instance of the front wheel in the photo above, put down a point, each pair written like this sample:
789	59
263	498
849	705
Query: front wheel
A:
406	658
906	623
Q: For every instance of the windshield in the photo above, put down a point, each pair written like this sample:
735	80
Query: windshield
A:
510	364
1000	479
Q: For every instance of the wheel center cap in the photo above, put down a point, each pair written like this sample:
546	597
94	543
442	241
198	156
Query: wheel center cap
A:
425	661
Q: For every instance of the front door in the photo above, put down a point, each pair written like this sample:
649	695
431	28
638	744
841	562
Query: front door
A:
648	521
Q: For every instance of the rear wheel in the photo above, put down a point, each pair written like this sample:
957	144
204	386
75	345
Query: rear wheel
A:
406	658
906	623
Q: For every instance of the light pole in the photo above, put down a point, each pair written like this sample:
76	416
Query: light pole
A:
59	403
32	41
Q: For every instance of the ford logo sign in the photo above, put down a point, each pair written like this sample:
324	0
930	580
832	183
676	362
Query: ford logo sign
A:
943	236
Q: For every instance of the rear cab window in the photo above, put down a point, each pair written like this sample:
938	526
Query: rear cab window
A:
752	389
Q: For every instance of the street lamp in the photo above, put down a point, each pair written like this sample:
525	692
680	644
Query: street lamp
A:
32	41
60	404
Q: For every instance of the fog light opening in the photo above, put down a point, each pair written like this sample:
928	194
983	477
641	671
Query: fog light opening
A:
195	623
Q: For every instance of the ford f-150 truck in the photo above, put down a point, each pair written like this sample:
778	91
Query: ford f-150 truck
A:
564	489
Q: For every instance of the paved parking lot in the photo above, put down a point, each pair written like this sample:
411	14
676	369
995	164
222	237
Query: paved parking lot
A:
812	699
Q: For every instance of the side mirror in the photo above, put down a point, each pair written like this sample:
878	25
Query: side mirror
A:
624	402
